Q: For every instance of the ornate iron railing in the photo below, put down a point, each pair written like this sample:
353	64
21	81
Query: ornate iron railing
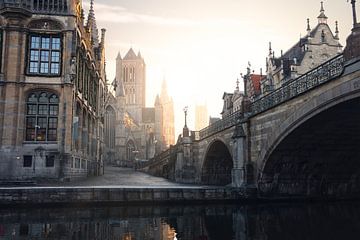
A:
221	125
293	88
323	73
37	6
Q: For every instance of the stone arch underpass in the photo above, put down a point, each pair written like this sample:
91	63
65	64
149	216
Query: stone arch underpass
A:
217	165
318	156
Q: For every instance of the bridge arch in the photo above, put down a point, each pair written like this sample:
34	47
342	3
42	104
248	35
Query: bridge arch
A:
316	150
217	164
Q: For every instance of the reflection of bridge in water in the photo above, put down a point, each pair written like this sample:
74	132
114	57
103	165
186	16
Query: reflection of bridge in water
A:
301	139
272	222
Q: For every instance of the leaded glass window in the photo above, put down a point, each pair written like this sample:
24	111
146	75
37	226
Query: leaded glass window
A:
44	55
42	110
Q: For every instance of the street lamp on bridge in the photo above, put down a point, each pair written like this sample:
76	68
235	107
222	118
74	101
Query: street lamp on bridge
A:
186	129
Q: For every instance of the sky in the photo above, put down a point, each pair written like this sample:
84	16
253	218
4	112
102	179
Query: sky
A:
201	47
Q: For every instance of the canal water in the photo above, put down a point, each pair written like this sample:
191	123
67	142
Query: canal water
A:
205	222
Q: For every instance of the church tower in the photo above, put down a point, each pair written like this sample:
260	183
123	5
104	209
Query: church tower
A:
168	129
130	70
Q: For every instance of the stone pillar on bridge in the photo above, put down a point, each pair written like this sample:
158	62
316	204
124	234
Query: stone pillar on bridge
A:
238	171
185	171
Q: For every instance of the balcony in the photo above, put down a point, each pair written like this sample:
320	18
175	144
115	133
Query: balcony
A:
35	6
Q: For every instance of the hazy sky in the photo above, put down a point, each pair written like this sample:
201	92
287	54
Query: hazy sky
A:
202	46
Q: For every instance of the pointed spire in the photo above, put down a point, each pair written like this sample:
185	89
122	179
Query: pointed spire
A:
322	7
336	30
157	100
322	17
270	50
120	91
91	25
164	92
118	56
308	29
103	31
139	55
130	55
237	85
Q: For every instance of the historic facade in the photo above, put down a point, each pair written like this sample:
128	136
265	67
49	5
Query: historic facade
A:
52	90
132	130
319	45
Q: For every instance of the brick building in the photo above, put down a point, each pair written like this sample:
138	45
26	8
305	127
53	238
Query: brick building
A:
52	90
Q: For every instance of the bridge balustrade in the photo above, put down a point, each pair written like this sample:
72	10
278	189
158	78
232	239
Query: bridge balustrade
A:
222	124
314	78
291	89
37	6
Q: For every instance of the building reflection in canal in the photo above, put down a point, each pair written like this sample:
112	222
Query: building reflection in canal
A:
270	222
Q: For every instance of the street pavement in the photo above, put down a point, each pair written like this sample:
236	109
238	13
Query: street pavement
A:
124	177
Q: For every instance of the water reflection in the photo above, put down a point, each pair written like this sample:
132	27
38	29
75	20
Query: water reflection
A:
270	222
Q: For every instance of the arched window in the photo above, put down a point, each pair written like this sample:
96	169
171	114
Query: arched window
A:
42	110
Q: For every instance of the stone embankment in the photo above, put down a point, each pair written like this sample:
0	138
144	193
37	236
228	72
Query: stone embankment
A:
118	195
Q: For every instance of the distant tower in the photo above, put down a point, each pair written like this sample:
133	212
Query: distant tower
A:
131	71
158	124
201	117
168	130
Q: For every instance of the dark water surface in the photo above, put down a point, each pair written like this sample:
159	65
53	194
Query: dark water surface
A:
212	222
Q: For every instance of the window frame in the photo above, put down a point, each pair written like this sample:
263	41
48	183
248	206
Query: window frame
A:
50	161
39	123
27	158
40	50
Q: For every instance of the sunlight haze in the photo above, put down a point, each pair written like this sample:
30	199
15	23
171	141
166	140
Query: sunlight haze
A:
201	47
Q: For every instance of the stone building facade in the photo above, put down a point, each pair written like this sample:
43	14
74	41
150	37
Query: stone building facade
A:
140	131
319	45
52	88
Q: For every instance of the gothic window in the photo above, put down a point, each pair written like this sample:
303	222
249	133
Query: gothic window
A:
125	74
42	110
44	55
133	74
323	36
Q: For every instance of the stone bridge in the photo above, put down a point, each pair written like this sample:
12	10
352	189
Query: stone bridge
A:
302	139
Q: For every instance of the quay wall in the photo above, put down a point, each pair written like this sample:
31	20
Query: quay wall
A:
93	195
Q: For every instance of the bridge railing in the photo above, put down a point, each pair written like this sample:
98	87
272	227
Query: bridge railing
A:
37	6
293	88
323	73
221	125
160	157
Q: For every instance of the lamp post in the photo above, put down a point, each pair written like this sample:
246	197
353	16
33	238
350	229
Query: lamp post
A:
185	129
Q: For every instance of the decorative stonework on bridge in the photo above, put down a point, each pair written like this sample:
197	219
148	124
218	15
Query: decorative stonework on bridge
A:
300	139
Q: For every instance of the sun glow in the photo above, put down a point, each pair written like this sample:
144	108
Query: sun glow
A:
201	47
